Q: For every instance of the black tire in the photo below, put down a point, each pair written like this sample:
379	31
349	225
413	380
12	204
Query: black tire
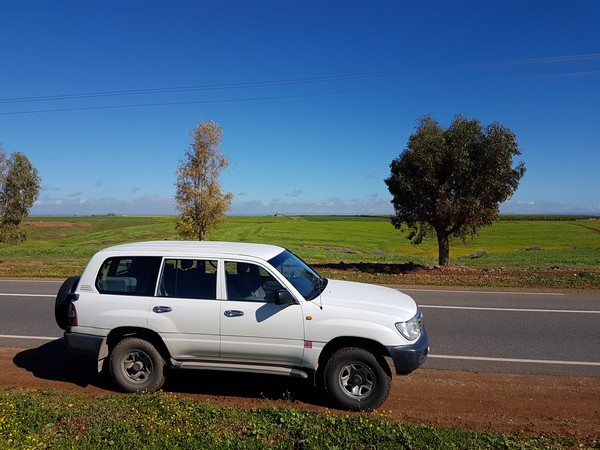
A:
136	365
62	302
355	380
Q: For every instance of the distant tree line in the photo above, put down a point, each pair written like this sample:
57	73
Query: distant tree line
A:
546	217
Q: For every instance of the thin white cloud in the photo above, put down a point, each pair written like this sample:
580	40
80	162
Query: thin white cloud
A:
145	205
47	203
325	207
372	204
545	207
296	193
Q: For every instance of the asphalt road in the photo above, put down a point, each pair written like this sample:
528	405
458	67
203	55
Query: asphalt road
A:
514	332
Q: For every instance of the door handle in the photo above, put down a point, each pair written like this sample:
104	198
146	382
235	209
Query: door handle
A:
162	309
233	313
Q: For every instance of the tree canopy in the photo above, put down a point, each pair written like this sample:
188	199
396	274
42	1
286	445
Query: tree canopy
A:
19	189
453	179
199	198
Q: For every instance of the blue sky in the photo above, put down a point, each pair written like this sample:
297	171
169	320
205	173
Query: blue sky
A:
315	98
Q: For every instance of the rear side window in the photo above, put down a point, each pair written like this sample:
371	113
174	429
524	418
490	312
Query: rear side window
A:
135	275
189	278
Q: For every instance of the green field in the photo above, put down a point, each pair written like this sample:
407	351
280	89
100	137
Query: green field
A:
547	253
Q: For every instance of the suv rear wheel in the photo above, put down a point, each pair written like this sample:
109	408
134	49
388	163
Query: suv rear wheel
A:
355	380
136	365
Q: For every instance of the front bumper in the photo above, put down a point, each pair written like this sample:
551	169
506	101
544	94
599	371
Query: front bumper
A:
410	357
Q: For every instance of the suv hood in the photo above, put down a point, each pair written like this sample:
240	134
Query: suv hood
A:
369	297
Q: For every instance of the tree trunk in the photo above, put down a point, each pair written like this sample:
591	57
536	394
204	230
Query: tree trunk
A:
443	248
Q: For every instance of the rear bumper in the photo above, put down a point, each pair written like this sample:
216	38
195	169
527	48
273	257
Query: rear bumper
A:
410	357
86	344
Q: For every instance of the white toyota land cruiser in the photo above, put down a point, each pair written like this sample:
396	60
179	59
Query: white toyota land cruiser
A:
145	307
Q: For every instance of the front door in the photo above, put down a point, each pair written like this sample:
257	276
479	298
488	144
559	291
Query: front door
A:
253	327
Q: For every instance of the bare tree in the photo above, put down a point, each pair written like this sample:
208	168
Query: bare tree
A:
200	201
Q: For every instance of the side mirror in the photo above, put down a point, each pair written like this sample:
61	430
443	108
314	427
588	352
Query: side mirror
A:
283	297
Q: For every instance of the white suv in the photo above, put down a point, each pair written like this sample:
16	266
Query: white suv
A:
145	307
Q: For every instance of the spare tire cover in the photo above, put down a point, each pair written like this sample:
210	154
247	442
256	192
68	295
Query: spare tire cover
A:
61	305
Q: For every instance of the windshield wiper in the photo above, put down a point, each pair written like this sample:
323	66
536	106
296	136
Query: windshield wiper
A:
318	288
322	284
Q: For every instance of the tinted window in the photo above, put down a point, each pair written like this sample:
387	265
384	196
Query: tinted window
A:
135	275
300	274
189	278
247	281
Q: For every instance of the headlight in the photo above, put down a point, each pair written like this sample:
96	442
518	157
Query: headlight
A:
411	329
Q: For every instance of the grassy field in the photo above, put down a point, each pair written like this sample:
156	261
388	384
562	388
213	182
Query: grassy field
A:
44	419
512	252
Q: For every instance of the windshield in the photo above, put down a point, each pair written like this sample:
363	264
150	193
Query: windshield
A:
303	278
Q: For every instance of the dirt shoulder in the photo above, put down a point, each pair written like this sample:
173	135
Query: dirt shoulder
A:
518	404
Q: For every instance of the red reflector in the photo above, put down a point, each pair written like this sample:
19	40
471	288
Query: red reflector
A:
72	315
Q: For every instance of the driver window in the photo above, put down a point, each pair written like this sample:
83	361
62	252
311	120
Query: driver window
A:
247	281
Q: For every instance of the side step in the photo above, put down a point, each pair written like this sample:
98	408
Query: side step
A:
237	367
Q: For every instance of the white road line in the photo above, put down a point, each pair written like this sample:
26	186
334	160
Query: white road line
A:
33	281
558	294
27	295
480	308
515	360
39	338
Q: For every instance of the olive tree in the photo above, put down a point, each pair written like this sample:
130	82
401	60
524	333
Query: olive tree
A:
200	201
453	179
19	189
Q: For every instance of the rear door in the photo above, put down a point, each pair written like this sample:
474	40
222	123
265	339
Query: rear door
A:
185	310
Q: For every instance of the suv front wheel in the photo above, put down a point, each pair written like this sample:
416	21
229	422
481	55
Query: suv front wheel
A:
355	380
136	365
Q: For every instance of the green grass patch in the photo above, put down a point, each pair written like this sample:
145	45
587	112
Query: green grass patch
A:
45	419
